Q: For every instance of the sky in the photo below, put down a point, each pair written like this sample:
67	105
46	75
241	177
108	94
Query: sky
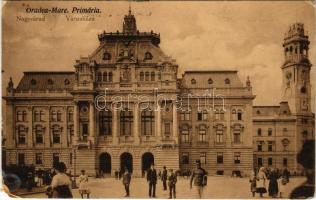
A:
242	35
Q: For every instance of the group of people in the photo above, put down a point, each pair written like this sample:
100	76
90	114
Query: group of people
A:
277	180
62	183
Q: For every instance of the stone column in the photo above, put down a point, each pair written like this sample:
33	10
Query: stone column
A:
76	123
175	122
158	121
91	122
136	124
114	125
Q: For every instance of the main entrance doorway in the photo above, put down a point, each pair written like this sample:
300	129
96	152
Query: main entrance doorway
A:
147	160
126	161
105	163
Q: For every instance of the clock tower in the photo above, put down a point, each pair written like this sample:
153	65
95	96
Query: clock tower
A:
296	85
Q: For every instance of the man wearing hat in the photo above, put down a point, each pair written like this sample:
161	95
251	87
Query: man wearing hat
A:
152	180
198	177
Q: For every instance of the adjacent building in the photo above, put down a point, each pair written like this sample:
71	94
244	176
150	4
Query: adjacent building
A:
124	105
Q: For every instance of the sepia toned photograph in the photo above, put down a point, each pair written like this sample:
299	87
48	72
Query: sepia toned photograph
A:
158	99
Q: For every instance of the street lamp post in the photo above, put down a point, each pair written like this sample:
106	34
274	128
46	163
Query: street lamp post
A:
75	158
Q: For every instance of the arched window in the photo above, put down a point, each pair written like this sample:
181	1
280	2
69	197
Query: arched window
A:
227	81
152	75
148	56
147	76
291	49
106	56
99	77
239	114
50	82
105	76
147	122
193	81
66	82
210	81
126	121
110	76
234	116
33	82
159	75
141	75
105	123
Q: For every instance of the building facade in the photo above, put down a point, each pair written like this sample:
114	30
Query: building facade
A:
280	131
124	105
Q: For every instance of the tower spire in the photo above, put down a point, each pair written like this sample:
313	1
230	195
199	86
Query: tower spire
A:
129	24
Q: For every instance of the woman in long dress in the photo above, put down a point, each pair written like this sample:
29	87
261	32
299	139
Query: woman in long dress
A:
261	182
273	183
83	184
61	185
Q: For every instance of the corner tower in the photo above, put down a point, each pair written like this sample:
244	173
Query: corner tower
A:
296	85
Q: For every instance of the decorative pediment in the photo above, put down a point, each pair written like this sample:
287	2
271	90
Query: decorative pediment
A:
237	126
185	126
219	126
202	127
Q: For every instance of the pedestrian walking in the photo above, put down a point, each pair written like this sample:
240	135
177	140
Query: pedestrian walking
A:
126	181
273	183
61	185
164	177
283	180
83	185
261	181
172	180
152	180
29	181
252	181
199	179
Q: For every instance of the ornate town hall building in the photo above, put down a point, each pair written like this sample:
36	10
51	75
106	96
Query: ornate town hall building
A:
124	105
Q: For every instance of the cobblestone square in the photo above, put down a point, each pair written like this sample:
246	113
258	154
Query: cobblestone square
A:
218	187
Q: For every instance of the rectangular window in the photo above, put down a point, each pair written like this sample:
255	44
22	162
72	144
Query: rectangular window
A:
54	116
220	158
21	159
38	158
85	131
59	116
259	131
270	161
203	157
259	146
70	159
285	162
184	136
22	137
70	116
167	129
185	116
185	158
219	136
260	163
202	136
239	116
39	137
270	132
237	158
270	146
147	122
55	158
199	116
56	136
237	139
105	123
37	116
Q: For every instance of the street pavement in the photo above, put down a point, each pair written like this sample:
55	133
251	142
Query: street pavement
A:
217	187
